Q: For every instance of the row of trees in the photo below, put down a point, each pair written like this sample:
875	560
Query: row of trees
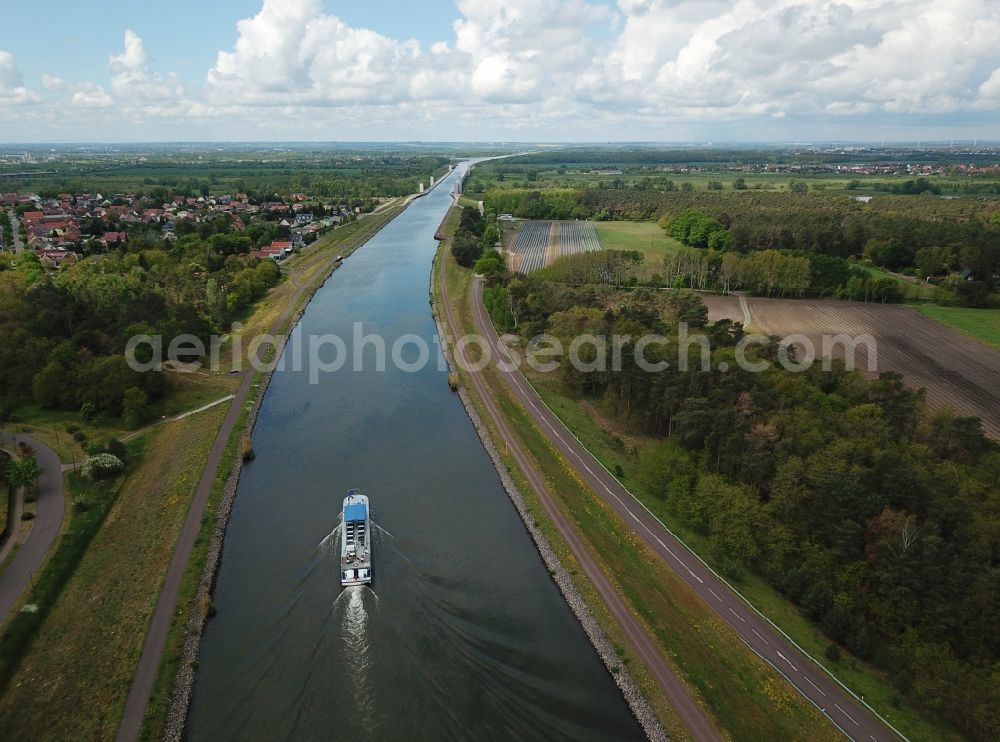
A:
765	273
474	236
845	494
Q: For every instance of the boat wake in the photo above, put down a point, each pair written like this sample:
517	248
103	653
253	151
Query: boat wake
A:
357	651
330	540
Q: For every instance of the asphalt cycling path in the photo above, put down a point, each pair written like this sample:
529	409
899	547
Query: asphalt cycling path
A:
49	509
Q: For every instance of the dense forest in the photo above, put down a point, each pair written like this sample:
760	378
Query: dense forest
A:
879	519
919	235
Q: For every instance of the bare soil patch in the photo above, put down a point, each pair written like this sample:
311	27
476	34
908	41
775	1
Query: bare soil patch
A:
722	307
955	370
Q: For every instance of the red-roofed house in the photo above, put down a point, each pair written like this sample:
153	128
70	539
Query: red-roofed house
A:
56	258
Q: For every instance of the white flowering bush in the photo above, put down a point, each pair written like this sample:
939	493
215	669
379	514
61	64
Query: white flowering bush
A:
101	465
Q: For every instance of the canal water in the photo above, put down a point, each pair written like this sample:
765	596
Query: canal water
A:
464	635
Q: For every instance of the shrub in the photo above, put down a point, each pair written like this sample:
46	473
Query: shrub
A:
100	466
247	450
832	653
116	448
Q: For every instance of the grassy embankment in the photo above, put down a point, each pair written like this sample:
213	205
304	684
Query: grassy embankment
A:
745	696
80	657
982	324
603	439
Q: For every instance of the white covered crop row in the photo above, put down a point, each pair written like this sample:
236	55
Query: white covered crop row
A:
578	237
533	241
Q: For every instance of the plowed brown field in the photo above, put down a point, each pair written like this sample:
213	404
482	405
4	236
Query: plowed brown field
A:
955	370
722	307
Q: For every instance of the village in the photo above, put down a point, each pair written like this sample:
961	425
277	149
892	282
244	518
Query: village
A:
63	229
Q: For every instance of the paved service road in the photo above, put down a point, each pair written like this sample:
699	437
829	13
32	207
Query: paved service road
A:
685	706
48	520
18	246
843	709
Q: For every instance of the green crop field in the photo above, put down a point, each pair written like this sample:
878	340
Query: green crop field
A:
982	324
646	237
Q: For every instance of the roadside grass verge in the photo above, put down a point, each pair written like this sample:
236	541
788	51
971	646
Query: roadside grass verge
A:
189	391
95	499
745	696
981	324
72	680
601	438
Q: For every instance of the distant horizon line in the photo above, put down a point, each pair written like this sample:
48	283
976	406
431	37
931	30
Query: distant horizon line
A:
935	142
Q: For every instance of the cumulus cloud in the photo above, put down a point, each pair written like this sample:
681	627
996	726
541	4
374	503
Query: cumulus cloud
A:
677	58
10	75
576	67
990	89
90	95
50	82
12	88
527	50
755	56
292	53
133	80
